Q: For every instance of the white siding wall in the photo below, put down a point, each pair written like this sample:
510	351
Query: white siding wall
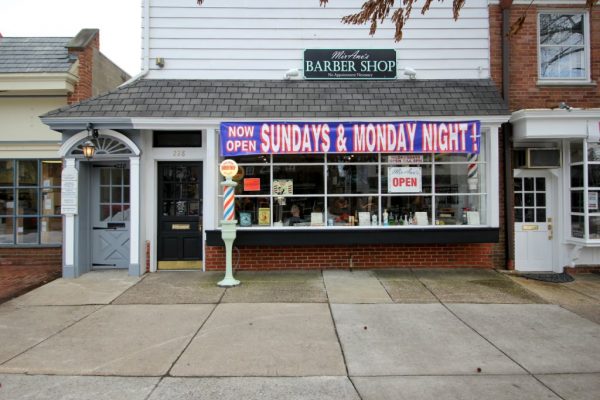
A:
22	134
261	39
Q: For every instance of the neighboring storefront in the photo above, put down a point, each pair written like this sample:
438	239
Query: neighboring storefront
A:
556	184
550	80
38	74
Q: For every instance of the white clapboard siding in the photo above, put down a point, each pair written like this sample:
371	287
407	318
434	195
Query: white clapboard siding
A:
296	55
307	24
307	34
261	39
283	65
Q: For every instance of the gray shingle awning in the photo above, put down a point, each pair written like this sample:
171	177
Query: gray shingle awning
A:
260	99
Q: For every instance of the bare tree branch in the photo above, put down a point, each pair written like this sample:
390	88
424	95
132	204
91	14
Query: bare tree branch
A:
375	12
562	54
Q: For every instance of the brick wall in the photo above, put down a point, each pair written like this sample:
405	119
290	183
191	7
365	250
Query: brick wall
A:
523	80
373	256
524	89
31	256
84	86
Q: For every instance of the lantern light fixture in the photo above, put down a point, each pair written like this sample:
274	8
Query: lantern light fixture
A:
89	149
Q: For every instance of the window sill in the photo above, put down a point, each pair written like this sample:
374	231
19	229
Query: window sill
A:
566	83
29	246
583	242
356	236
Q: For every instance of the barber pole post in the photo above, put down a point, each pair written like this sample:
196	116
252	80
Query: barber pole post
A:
228	169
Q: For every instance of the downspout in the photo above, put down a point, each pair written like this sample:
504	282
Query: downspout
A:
507	132
145	46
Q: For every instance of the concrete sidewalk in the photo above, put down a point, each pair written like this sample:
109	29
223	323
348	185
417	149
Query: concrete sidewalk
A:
393	334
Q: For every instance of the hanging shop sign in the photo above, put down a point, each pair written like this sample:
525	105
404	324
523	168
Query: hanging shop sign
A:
246	138
228	168
350	64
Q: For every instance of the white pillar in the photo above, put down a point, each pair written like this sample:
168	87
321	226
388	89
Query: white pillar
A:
493	176
69	235
210	182
134	216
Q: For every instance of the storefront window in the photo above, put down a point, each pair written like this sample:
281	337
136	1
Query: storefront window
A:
30	202
359	190
585	190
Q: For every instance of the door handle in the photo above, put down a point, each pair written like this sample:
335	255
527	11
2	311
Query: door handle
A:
550	232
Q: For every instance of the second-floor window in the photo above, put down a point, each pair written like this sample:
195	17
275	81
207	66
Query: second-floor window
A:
562	46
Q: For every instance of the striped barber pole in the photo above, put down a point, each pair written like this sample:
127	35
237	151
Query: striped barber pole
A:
472	167
228	203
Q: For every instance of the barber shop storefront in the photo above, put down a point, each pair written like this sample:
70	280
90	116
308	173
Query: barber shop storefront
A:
351	191
332	174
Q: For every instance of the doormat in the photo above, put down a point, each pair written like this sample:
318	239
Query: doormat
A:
552	278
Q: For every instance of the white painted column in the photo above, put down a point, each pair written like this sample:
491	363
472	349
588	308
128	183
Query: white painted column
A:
69	235
134	216
209	216
209	190
494	172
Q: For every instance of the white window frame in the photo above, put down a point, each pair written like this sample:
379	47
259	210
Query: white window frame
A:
487	164
586	214
586	44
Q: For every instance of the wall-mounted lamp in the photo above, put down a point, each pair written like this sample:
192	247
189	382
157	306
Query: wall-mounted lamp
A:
160	62
294	72
410	72
564	106
89	149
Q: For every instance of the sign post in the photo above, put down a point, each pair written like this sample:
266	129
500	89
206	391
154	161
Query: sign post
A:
228	169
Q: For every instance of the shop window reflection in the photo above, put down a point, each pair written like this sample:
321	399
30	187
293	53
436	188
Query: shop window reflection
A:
29	192
349	179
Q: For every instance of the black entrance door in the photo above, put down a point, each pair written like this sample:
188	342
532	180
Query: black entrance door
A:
179	215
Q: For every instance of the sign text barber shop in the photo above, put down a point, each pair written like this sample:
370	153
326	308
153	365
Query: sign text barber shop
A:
350	64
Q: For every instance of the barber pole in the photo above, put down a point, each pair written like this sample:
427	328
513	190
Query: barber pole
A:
228	203
472	168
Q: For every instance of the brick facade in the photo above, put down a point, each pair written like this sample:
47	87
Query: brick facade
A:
31	256
525	92
373	256
84	86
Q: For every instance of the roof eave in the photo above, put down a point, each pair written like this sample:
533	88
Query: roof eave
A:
80	123
47	82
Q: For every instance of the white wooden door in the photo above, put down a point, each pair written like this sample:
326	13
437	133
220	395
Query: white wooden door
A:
533	221
110	216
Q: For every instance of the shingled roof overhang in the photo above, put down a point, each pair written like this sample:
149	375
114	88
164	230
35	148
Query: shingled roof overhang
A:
211	101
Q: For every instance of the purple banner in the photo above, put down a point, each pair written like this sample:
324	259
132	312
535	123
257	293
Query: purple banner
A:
245	138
